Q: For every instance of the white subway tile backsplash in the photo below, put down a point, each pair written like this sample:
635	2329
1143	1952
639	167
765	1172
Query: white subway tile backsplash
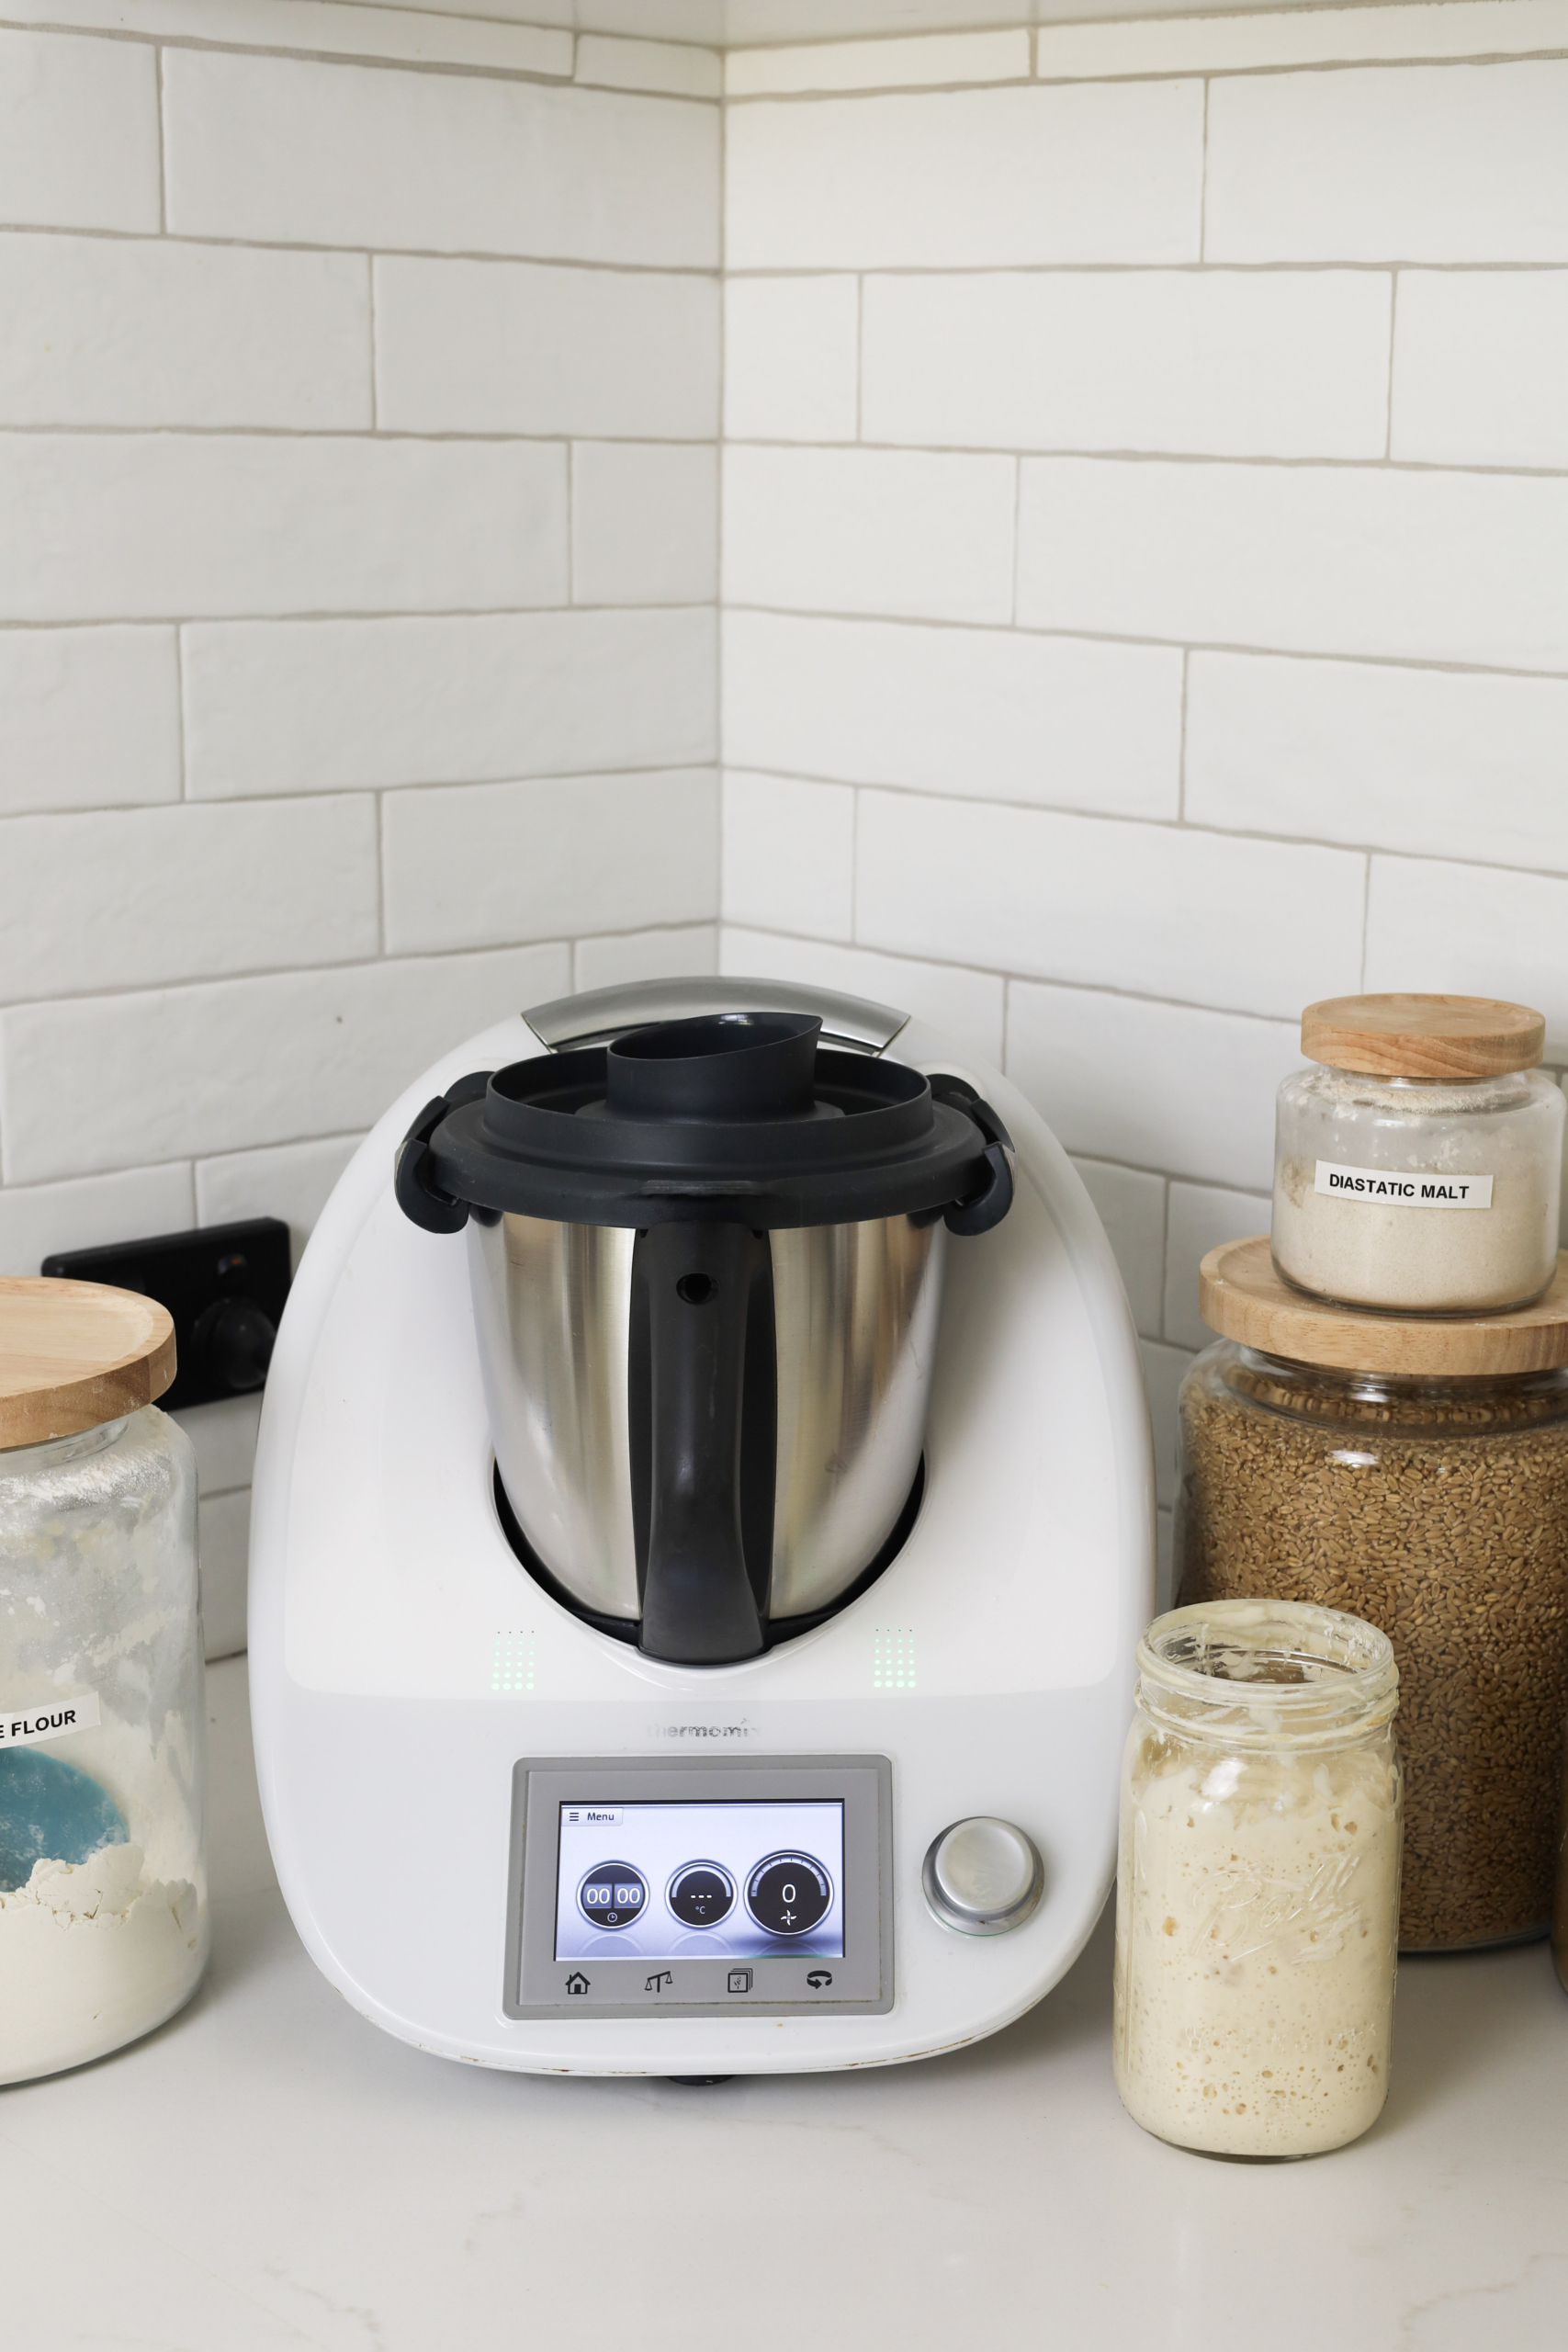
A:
88	1212
497	347
644	523
438	33
1129	1204
920	61
1452	763
148	332
232	1064
1227	363
148	525
185	893
986	714
1477	930
280	151
292	1181
1409	163
1480	367
1257	37
968	1006
972	178
1164	1369
1201	1217
1156	909
790	359
625	955
78	132
318	706
479	865
675	67
1155	1085
89	717
789	854
224	1436
1421	565
900	533
223	1539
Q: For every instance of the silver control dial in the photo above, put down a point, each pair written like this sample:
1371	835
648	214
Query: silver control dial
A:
982	1876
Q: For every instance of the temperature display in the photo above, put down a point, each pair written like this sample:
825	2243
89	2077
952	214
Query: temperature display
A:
667	1881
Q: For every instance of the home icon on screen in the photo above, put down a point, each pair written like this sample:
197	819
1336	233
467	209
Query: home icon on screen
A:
577	1982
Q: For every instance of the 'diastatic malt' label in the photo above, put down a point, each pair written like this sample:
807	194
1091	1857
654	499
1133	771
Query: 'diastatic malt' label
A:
1403	1188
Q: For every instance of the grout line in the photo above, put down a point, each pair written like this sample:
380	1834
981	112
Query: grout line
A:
1075	812
1144	264
949	624
503	259
1122	77
371	59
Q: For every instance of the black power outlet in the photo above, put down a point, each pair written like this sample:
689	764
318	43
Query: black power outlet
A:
224	1285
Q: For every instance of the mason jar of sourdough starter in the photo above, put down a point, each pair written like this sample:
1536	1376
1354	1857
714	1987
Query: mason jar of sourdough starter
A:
1418	1167
103	1889
1258	1880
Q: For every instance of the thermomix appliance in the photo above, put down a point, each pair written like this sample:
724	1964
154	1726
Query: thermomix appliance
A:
701	1519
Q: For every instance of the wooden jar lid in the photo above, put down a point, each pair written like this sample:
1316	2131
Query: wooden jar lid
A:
75	1354
1422	1037
1242	1297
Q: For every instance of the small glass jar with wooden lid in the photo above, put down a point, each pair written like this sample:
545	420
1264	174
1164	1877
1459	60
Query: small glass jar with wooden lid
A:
103	1885
1413	1473
1417	1167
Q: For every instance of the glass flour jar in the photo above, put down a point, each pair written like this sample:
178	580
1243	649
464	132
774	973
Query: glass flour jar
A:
1258	1880
103	1889
1419	1166
1414	1472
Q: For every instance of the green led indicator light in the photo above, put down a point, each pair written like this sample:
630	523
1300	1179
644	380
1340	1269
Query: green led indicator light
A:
893	1658
512	1665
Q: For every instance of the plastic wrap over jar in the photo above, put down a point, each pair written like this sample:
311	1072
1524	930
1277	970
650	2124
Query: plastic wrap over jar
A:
103	1888
1437	1509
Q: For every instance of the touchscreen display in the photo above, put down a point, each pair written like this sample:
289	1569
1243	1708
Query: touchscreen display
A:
688	1880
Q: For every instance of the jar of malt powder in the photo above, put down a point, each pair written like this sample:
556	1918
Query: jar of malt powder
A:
1419	1166
1413	1472
1258	1880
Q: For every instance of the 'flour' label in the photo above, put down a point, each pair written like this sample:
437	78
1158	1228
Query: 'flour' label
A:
25	1726
1399	1190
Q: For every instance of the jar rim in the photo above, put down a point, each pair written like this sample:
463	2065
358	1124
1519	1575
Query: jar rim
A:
1268	1671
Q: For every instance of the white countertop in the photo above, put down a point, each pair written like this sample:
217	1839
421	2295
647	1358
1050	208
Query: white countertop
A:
269	2170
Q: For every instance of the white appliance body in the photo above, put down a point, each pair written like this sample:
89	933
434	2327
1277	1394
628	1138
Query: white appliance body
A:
403	1663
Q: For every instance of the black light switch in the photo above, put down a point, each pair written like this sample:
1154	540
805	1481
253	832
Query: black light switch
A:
224	1285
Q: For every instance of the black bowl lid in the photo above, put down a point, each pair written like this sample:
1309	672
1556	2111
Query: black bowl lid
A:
742	1117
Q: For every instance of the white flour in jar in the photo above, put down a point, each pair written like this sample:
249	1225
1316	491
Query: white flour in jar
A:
1255	1945
1429	1259
91	1955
